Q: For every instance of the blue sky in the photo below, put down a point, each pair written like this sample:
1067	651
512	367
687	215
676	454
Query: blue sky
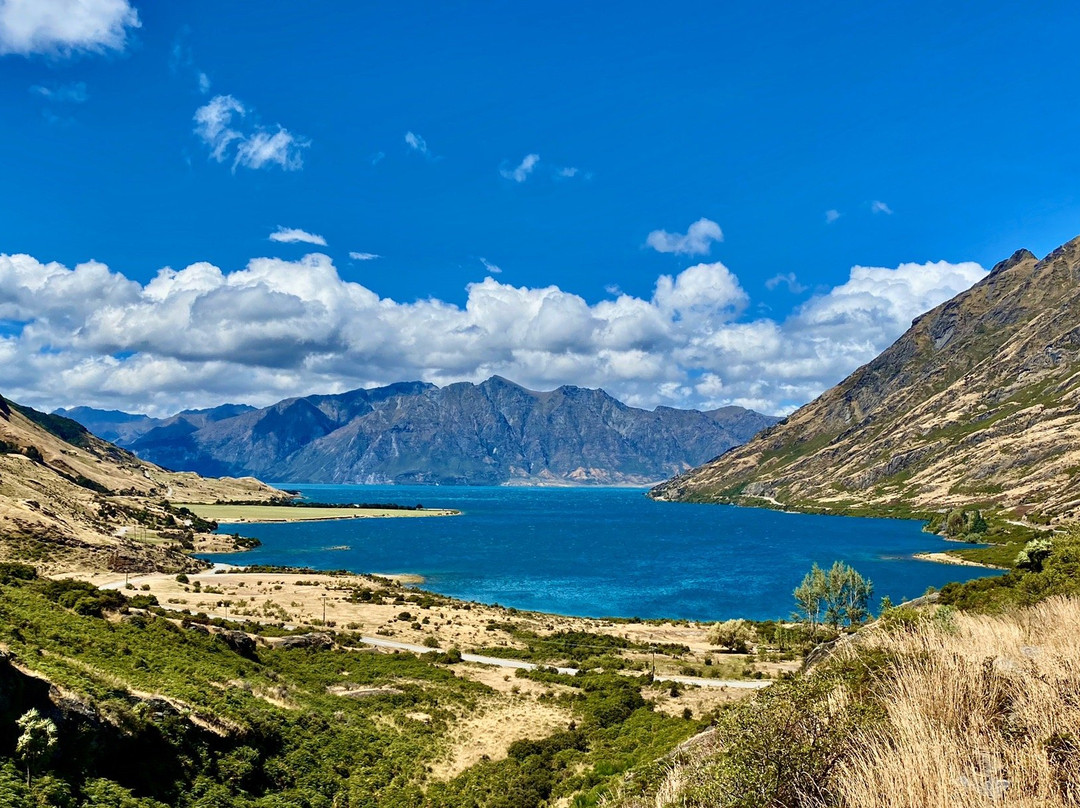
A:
565	146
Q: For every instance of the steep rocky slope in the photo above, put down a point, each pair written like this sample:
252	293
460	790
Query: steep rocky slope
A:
978	402
490	433
71	500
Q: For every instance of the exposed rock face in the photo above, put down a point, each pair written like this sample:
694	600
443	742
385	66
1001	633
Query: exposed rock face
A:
486	434
978	402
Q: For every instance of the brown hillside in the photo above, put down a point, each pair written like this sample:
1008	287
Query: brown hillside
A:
977	403
84	503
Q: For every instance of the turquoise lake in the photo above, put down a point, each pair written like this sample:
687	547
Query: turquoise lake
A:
602	552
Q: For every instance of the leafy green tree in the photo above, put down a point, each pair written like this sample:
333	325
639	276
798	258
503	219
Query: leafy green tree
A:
854	594
836	597
1033	555
735	635
810	597
37	741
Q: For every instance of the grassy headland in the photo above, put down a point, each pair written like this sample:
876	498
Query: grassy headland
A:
240	514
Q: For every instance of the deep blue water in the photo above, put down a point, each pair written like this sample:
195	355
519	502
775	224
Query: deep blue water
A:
603	551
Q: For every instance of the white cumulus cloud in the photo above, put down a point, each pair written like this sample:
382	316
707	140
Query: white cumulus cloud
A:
363	256
521	172
832	215
293	235
219	125
200	335
697	240
63	27
877	206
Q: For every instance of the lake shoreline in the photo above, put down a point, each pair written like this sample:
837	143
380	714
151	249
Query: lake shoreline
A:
946	557
278	514
599	553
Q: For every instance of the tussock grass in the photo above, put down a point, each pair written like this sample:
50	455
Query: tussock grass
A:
981	711
953	710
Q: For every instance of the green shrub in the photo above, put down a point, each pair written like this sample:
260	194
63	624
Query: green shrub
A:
777	749
11	572
82	597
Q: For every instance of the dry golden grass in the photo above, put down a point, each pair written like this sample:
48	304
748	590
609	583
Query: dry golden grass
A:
487	733
982	711
977	712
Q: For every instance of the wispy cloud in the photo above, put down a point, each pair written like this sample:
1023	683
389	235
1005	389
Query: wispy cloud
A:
216	125
832	215
64	27
416	143
293	235
490	267
568	171
877	206
74	93
182	60
787	278
697	240
364	256
523	169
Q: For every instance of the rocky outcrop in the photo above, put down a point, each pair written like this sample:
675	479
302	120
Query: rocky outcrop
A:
977	403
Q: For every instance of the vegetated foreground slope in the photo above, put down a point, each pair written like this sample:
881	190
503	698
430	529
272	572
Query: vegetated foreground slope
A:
977	403
487	434
69	500
153	708
938	708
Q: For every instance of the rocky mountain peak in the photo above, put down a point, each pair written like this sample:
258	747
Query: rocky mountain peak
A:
1018	257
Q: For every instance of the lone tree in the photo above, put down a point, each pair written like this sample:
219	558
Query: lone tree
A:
735	635
37	741
837	597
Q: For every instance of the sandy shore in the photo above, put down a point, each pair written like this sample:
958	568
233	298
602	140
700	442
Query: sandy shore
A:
945	558
257	514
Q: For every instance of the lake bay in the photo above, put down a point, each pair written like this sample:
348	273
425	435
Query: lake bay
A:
602	552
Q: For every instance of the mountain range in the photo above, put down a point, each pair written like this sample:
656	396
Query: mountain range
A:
491	433
978	403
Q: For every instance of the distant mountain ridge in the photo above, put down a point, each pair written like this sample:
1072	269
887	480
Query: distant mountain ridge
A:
122	428
491	433
977	403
